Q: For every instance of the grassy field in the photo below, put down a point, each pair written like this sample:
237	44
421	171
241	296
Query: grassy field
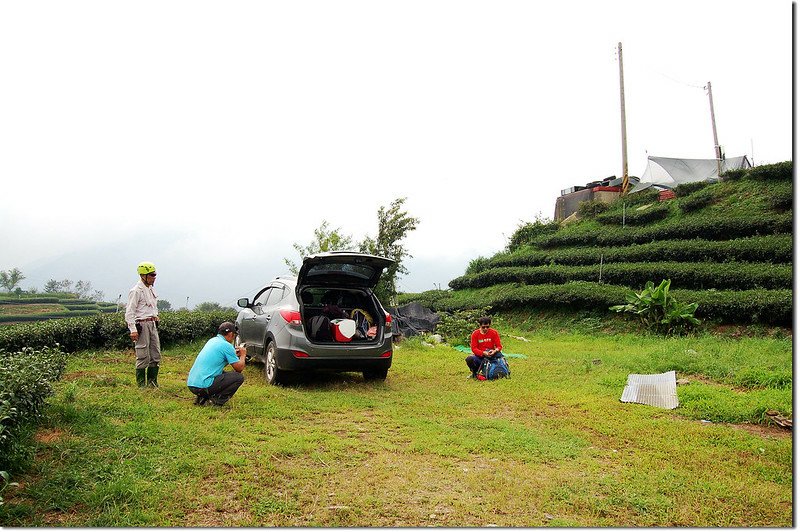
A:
552	446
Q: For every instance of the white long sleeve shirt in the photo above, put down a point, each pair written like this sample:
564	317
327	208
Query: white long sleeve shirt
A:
142	303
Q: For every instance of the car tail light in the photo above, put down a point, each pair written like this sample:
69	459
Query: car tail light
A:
388	319
387	354
299	354
292	317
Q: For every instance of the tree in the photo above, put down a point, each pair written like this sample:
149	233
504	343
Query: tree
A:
394	224
11	278
58	286
163	305
325	239
82	288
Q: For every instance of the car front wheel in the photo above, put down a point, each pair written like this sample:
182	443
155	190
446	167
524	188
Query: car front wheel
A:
273	375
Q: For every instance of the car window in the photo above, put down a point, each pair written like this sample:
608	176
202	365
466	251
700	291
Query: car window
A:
364	272
275	296
261	298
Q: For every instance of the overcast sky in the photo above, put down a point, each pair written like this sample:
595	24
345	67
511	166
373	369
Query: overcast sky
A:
208	137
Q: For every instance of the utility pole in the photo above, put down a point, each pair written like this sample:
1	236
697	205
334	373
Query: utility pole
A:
717	149
624	131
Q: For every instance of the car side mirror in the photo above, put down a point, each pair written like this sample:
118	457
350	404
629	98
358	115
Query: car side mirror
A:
244	302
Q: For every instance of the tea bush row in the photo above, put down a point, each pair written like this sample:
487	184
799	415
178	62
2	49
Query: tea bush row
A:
769	307
588	209
530	231
697	275
782	199
687	189
696	201
630	216
109	331
28	300
777	249
690	227
86	306
26	378
46	316
772	172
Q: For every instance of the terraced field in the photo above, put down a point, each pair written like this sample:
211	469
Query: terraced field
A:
727	246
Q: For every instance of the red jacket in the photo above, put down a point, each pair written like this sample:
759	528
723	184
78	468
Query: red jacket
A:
480	342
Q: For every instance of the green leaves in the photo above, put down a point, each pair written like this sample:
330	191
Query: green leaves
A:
457	327
110	330
26	379
658	310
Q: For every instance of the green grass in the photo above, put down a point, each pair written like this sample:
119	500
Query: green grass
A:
552	446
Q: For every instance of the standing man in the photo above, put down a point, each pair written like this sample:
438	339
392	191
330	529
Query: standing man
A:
484	342
141	315
206	378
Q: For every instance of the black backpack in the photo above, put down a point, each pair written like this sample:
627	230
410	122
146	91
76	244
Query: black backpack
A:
320	328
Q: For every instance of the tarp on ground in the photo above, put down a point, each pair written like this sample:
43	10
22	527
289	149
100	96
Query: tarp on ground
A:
412	319
671	172
655	390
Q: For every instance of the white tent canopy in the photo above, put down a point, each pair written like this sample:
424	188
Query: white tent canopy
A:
671	172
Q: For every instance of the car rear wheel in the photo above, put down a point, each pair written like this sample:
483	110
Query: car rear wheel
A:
273	375
376	375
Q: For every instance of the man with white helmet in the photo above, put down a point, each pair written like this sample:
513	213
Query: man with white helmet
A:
141	315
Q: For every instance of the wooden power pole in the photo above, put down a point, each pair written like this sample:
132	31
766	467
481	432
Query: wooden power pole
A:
717	149
625	182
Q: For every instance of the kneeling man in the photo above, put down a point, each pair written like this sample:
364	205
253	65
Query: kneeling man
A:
206	378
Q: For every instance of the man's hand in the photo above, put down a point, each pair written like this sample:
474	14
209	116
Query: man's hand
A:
241	350
135	336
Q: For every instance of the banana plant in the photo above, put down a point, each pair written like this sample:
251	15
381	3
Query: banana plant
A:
658	310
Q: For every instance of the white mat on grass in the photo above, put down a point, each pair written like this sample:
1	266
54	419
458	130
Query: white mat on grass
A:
654	390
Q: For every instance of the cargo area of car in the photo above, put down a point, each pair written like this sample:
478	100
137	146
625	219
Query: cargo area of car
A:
341	303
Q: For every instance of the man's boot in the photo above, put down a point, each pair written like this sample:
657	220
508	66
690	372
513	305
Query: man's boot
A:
152	376
140	374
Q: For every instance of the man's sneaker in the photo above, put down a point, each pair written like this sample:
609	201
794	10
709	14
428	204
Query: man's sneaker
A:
200	401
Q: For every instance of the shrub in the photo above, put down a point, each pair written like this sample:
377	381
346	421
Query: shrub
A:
777	249
782	199
772	172
109	330
696	201
687	189
527	232
27	300
705	227
477	265
734	175
658	310
589	209
701	275
457	327
768	307
26	379
643	197
632	216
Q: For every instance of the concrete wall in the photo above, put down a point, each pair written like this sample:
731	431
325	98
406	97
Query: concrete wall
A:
568	203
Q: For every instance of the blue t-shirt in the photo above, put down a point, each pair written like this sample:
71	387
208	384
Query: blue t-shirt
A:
212	359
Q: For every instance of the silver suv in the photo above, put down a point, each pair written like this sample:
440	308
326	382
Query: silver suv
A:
292	324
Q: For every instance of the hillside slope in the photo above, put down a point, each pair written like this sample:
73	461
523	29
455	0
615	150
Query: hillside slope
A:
727	246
